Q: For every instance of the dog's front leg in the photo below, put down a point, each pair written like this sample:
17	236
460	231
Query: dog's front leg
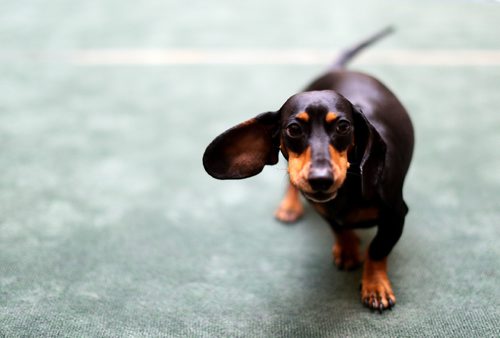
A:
290	208
376	289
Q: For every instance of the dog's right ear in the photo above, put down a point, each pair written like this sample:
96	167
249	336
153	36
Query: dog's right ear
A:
245	149
374	149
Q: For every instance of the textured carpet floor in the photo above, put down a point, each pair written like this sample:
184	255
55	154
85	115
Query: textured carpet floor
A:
110	227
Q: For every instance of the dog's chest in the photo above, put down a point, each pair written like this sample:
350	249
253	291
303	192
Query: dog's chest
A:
349	209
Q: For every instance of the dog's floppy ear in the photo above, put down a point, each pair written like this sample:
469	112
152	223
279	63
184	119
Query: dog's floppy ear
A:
245	149
370	148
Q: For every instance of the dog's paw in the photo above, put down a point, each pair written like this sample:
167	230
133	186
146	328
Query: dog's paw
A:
376	290
378	296
289	211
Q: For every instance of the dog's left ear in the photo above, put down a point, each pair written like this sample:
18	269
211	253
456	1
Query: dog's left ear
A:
371	149
245	149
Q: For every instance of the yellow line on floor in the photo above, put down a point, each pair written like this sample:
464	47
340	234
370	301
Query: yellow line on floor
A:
279	56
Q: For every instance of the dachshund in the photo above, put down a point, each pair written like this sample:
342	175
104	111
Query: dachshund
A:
348	141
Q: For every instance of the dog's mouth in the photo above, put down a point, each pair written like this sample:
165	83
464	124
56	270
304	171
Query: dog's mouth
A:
320	197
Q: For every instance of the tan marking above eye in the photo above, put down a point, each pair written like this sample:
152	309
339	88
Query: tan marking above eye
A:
303	116
330	117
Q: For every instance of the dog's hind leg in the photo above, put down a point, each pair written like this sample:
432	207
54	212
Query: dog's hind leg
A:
346	249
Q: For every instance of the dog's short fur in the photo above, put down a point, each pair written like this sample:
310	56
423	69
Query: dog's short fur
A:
349	143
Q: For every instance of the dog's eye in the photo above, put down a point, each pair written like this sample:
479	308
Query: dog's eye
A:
294	130
343	127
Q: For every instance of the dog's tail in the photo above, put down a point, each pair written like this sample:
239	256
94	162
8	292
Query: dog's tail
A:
347	55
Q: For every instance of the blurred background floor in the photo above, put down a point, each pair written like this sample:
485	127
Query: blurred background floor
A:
110	227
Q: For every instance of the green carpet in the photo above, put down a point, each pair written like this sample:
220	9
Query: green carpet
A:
109	227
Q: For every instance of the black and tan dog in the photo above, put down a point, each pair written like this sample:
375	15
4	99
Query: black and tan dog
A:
349	143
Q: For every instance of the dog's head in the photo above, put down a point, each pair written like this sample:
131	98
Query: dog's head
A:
318	132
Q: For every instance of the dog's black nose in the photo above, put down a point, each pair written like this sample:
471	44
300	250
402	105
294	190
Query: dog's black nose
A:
320	179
